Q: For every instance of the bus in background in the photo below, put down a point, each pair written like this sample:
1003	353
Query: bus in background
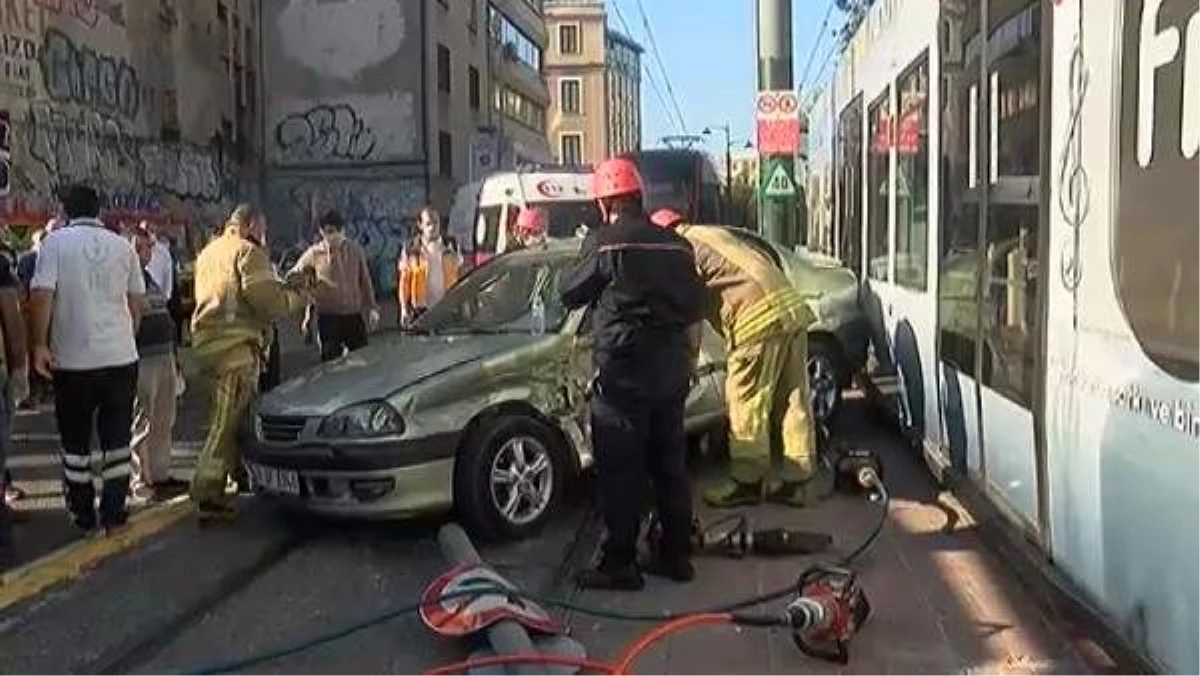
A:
684	180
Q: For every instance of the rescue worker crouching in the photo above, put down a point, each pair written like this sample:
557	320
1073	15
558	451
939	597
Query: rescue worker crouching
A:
764	321
647	299
428	266
238	296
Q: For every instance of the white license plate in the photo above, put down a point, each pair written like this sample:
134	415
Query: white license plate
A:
273	480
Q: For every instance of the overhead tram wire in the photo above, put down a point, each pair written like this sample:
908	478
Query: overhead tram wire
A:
676	122
812	52
658	59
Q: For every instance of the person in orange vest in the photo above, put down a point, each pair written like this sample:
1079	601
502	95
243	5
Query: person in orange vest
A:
428	265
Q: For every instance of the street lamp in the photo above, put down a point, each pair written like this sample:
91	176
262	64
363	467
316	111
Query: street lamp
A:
728	157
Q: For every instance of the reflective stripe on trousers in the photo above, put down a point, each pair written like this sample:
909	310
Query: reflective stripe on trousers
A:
770	424
234	390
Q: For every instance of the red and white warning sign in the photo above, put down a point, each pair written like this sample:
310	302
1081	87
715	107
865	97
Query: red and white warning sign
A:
450	607
777	122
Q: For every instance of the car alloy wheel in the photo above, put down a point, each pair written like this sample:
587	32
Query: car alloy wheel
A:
522	480
823	383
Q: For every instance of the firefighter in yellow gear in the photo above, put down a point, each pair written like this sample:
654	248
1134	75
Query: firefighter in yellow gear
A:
764	321
237	295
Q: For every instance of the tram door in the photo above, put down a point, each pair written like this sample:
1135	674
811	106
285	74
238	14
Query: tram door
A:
988	312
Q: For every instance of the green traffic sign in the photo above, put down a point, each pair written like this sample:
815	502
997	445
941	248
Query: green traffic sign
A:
779	182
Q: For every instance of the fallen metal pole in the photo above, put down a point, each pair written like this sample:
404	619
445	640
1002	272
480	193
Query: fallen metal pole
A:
507	637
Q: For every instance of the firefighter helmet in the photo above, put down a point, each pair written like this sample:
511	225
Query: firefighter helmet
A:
666	218
614	177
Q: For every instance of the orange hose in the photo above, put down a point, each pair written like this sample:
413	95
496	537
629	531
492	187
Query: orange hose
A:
639	647
540	658
662	631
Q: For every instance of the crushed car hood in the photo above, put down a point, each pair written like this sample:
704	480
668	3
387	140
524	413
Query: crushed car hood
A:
388	364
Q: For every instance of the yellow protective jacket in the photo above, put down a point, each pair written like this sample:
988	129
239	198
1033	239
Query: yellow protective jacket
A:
750	298
238	295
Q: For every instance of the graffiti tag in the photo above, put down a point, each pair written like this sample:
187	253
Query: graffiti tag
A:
87	12
91	146
77	74
325	132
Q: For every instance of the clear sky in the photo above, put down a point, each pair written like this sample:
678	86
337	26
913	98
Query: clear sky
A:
708	50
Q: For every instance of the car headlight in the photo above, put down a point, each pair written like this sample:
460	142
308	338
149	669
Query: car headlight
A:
362	421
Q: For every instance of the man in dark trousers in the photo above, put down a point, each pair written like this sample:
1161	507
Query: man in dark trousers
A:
647	298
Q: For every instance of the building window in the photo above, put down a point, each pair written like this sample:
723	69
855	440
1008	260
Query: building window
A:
443	68
570	97
912	176
516	44
1153	250
518	107
473	15
473	86
445	154
879	187
570	148
568	39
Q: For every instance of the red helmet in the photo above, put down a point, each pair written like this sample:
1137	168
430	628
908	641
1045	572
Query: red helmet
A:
614	177
666	218
531	221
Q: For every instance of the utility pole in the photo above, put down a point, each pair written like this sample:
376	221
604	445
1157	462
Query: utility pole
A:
728	158
773	19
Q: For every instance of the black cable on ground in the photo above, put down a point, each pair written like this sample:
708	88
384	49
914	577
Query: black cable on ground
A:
625	616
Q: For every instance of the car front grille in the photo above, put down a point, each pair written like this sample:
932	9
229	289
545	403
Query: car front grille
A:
281	428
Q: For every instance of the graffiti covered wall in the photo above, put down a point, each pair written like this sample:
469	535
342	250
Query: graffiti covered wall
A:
87	88
343	83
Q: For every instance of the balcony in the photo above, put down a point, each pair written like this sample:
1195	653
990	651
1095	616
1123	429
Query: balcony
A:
526	15
517	74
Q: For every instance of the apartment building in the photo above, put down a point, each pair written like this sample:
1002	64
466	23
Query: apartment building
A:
516	134
595	84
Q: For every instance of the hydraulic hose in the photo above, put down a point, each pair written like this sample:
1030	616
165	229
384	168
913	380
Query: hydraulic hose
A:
631	616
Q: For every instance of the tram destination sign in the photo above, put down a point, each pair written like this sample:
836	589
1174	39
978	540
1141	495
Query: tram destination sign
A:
778	128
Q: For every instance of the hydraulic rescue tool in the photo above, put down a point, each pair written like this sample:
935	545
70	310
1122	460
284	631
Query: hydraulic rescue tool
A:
829	611
732	536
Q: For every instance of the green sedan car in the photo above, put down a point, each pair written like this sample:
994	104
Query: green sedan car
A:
481	407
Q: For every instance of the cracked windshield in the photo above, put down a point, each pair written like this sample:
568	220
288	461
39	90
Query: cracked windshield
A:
507	336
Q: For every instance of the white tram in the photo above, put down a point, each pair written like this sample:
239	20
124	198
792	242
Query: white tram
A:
1023	212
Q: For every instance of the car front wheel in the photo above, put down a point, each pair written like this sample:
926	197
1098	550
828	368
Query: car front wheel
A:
825	379
509	478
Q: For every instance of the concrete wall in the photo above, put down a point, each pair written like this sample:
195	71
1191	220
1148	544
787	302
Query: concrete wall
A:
343	82
85	88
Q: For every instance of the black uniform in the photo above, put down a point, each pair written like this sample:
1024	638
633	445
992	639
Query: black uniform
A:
646	293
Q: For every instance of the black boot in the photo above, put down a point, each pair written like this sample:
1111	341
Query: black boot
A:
616	577
677	568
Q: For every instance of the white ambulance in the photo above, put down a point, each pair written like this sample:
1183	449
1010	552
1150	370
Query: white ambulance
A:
484	212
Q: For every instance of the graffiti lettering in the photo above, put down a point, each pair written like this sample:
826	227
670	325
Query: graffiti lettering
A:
90	146
323	133
87	12
80	75
21	16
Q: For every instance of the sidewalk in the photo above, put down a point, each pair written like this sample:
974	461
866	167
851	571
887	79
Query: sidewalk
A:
940	603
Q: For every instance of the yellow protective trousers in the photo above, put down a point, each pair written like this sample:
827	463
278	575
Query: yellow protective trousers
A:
235	387
770	422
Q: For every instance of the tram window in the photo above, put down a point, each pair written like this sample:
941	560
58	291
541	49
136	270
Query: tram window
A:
879	187
912	175
849	185
958	250
1155	231
1011	121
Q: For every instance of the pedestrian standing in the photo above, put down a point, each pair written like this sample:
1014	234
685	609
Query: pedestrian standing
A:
238	296
155	407
428	266
40	390
14	383
642	285
344	301
86	297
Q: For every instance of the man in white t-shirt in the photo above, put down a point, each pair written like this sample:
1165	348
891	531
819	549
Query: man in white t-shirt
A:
86	301
161	266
